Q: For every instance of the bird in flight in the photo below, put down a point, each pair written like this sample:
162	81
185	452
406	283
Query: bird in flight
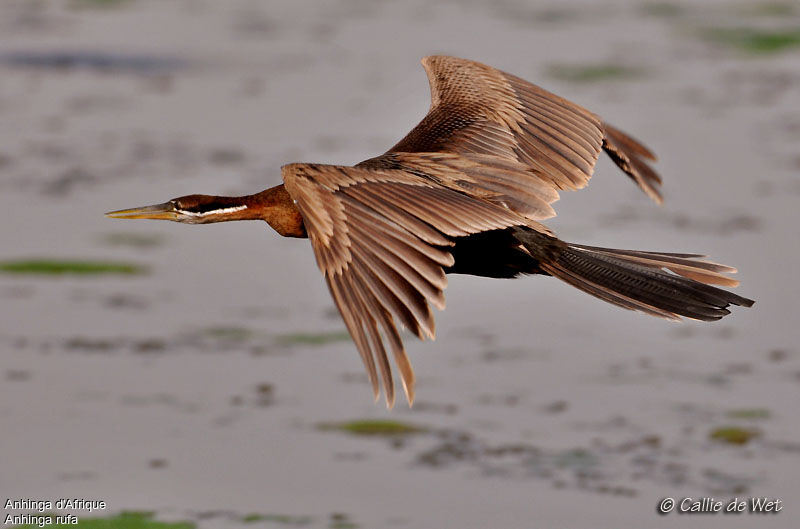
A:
464	192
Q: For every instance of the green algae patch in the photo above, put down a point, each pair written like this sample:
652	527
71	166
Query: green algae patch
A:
281	519
576	458
99	3
123	520
756	41
340	520
229	333
56	267
771	9
734	435
369	427
749	413
322	338
592	73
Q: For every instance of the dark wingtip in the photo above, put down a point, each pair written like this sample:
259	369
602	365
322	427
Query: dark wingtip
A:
629	155
744	302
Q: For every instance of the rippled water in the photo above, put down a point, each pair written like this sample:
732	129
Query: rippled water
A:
197	389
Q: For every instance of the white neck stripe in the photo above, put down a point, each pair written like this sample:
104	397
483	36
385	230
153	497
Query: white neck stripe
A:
214	211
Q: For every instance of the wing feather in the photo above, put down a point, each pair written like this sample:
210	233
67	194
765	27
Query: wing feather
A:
377	282
409	277
424	231
477	109
628	154
424	275
497	180
341	297
381	237
365	308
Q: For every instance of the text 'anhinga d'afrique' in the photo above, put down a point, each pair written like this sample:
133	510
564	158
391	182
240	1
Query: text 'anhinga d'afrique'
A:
464	192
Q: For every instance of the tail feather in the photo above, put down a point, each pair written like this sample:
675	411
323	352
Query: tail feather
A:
661	284
608	295
652	287
681	264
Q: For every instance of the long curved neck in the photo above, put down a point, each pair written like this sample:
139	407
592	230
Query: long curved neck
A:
273	205
280	211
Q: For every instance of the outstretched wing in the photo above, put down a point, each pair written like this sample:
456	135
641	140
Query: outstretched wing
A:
380	237
481	110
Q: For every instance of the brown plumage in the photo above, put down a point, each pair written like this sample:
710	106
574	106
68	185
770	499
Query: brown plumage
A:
464	192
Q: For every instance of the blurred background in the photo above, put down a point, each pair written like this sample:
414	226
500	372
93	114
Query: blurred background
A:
202	374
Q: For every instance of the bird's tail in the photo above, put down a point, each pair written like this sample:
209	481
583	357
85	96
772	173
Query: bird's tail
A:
669	285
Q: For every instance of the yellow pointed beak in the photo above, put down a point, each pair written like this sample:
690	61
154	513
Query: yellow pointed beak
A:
165	211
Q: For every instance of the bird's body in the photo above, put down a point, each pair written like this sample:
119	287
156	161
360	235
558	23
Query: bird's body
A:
464	192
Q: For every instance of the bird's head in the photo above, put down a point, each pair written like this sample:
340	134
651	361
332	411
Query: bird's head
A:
273	205
191	209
